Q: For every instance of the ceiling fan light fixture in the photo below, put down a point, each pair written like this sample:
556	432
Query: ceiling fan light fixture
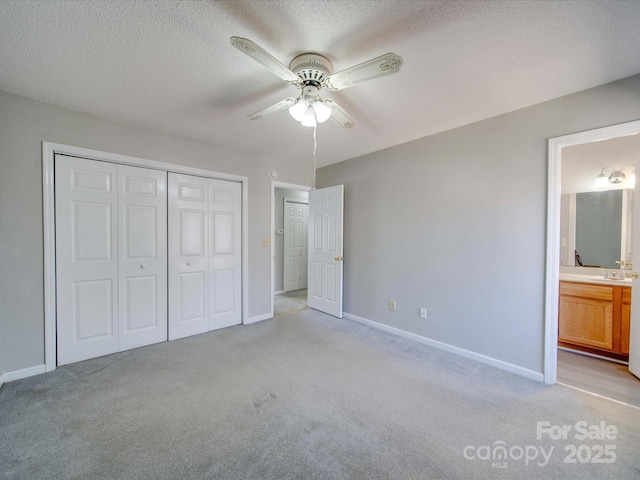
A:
311	73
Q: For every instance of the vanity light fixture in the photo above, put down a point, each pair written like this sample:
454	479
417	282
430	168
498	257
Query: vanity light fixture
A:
616	177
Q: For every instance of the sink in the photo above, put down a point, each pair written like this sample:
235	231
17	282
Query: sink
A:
573	277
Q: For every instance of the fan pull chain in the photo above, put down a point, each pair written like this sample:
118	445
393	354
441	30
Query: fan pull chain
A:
315	144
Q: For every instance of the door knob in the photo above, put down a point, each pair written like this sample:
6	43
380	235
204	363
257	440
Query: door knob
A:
338	259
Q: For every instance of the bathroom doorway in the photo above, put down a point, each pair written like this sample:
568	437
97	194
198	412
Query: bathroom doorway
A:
289	247
586	341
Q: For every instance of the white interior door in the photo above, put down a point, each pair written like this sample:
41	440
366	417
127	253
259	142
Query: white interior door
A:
325	273
86	258
142	256
188	255
225	254
295	245
634	334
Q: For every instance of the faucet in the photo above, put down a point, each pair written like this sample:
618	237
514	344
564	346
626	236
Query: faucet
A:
624	264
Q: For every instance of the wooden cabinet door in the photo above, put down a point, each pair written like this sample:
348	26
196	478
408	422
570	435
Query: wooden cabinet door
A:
586	315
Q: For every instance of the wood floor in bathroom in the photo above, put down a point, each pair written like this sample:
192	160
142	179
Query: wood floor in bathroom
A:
602	377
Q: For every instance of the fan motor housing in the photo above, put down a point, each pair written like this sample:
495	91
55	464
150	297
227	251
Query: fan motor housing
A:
311	68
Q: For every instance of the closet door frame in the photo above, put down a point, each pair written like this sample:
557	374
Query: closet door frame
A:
49	150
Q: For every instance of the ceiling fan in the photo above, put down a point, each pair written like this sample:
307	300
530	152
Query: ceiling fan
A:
311	73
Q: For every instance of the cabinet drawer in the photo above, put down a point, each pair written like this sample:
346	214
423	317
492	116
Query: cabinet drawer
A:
599	292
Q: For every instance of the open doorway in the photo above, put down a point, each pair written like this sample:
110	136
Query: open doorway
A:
590	262
289	247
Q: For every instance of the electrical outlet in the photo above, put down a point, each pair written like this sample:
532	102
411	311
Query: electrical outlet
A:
423	312
392	305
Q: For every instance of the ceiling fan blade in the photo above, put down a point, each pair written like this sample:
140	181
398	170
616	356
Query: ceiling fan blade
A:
338	115
262	56
376	67
276	107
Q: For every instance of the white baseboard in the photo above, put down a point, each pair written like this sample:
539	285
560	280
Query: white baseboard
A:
19	374
258	318
279	292
494	362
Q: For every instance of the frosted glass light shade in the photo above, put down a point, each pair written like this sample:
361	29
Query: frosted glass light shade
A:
631	181
298	110
602	181
322	112
309	119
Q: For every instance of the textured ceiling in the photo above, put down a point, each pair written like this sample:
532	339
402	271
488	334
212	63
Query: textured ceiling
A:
168	65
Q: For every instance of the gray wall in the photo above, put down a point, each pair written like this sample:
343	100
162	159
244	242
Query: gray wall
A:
24	125
455	222
280	194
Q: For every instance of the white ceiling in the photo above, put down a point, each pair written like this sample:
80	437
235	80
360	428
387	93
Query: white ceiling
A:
169	66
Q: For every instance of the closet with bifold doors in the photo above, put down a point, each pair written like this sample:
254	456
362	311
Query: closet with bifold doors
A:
142	256
204	260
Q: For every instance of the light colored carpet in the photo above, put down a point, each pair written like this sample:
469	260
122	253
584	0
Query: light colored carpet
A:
302	396
598	376
289	302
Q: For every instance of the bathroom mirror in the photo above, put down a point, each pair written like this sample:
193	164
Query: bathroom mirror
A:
597	222
596	228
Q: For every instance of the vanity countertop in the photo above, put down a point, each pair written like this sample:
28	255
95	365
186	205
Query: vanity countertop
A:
595	279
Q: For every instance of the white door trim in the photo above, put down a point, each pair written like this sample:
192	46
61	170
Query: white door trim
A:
555	146
275	184
49	149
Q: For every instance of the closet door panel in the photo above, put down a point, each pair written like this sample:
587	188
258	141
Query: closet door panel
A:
142	241
225	255
86	259
188	256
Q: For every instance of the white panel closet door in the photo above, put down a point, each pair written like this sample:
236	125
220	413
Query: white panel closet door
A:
142	256
295	246
86	259
188	255
225	256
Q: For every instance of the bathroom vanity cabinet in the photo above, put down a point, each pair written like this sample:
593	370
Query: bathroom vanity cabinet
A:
595	318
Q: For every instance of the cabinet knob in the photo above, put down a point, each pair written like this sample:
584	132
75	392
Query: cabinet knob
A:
189	263
143	266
